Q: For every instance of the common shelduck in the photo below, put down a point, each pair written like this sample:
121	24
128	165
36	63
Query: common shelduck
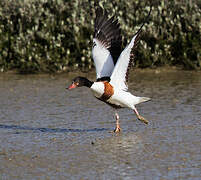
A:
112	66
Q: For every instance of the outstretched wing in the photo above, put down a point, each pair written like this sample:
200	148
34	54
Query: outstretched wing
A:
119	75
106	44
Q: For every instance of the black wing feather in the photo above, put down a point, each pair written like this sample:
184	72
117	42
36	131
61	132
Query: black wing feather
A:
132	54
107	31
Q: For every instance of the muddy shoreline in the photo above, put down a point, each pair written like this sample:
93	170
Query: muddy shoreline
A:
47	132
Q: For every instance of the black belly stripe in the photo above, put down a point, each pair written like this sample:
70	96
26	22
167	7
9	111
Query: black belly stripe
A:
110	104
105	97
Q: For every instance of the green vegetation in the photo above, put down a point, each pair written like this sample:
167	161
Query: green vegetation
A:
56	35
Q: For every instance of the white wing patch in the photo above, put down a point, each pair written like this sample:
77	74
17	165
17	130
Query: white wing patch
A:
118	77
102	59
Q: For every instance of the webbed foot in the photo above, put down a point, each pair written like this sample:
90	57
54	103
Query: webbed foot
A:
142	119
117	129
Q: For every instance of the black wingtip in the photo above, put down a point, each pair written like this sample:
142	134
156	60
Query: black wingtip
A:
99	11
108	32
146	19
132	55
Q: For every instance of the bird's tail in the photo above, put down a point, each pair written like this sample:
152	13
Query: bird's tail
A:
143	99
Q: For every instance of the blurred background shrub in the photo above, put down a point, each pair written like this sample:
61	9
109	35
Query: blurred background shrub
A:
56	35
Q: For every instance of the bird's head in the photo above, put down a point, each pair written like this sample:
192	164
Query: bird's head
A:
79	82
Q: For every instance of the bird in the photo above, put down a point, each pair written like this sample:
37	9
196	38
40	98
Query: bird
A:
112	66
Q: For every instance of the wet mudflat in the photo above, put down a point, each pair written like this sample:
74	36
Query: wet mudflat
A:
48	132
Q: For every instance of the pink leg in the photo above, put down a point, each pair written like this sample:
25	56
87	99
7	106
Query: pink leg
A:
140	117
117	129
136	112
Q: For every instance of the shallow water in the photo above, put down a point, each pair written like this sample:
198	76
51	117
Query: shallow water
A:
48	132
